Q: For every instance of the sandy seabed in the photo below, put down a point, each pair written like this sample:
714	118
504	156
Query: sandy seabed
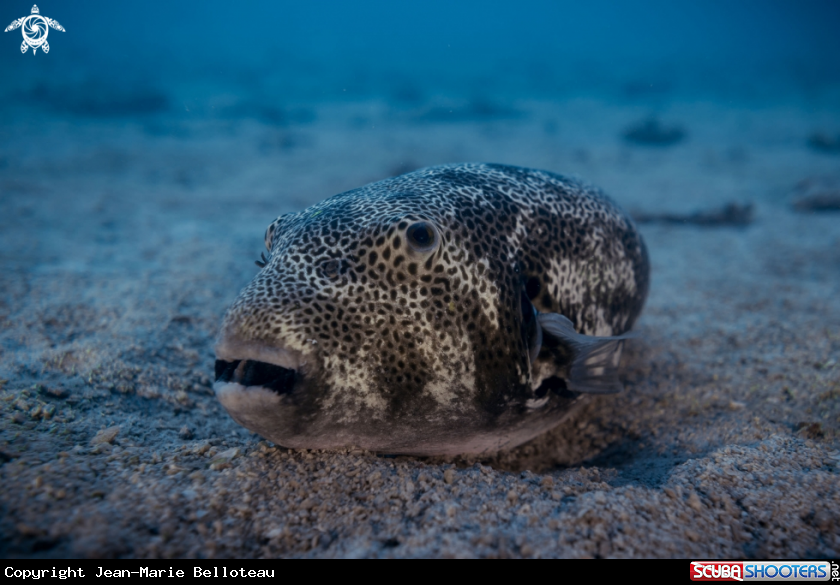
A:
123	240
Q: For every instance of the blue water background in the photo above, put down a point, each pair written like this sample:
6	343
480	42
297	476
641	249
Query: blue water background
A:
293	52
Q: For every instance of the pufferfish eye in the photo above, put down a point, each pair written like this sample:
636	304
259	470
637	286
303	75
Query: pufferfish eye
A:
330	268
422	236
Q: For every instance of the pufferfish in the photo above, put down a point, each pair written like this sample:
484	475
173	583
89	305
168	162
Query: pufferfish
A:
457	309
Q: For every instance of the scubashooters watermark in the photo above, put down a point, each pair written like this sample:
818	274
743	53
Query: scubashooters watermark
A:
35	29
764	571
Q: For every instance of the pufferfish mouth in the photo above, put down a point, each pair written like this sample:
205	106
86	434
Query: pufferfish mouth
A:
247	365
253	373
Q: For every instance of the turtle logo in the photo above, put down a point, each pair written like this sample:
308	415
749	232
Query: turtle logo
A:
35	29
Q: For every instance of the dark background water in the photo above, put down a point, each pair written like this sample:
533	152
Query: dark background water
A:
646	50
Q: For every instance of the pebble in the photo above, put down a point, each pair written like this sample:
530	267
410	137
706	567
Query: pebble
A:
223	459
694	502
54	391
105	436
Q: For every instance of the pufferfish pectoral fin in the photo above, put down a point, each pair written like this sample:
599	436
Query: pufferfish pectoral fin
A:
591	363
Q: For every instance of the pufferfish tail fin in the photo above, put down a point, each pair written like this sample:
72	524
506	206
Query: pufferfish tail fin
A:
592	366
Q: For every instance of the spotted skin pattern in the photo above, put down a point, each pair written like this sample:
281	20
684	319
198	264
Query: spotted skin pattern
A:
407	351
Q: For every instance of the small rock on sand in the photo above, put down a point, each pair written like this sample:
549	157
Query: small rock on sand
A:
105	436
